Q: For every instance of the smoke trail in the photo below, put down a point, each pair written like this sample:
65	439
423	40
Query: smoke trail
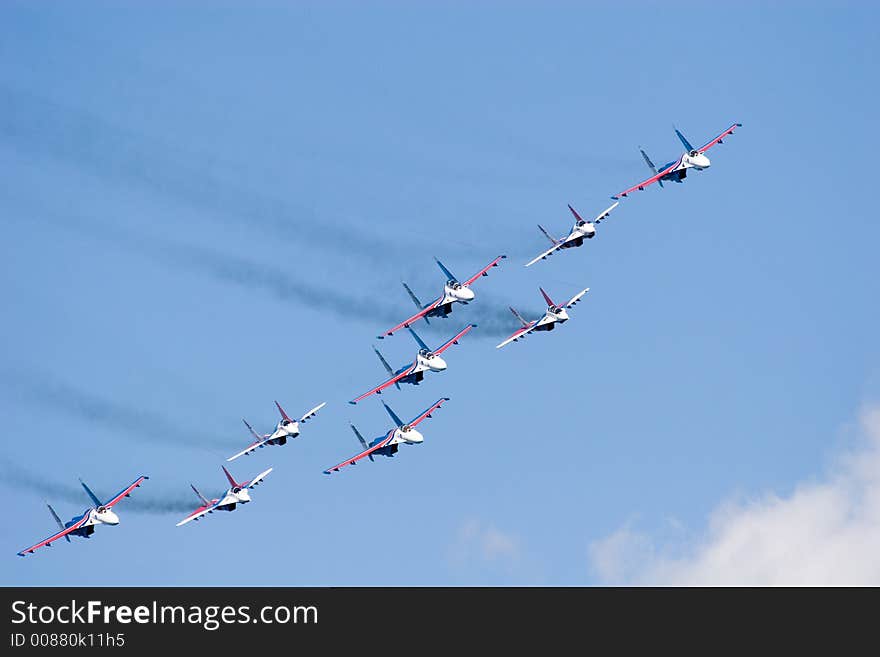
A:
127	420
84	140
279	283
493	320
143	500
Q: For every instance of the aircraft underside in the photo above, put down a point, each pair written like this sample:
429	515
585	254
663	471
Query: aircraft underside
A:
441	311
85	532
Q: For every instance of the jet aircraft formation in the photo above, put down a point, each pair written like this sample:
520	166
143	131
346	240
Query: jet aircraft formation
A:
427	361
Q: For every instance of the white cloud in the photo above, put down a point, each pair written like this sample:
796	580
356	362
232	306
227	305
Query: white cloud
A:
826	532
477	541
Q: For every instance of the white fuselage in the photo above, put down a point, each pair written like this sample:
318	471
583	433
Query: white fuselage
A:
453	292
581	230
553	316
101	516
429	363
694	160
406	434
235	496
285	429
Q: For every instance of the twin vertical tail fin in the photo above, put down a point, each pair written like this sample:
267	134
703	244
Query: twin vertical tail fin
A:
418	340
251	429
387	366
384	362
548	235
412	296
684	141
89	492
232	482
283	414
448	273
518	316
200	496
58	520
393	415
547	298
361	439
650	165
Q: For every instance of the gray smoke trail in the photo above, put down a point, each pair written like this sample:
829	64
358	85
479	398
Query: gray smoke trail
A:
127	420
81	139
279	283
142	500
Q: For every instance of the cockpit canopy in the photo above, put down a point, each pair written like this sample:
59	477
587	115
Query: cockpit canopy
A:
424	353
555	310
454	285
694	153
405	428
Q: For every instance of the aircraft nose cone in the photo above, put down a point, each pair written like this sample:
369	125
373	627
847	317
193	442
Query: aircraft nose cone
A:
111	518
438	364
467	294
414	436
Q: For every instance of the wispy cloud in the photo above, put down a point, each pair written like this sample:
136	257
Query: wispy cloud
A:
482	543
826	532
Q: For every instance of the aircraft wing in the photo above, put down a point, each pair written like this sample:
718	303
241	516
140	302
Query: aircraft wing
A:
259	442
484	271
379	388
576	298
312	412
64	532
454	340
125	492
521	333
427	412
201	511
256	481
719	138
649	181
424	311
357	457
546	253
247	450
605	213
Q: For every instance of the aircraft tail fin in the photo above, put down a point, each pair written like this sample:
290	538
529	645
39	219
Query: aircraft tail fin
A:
361	439
650	165
518	316
283	414
393	415
89	492
418	340
412	296
683	140
448	273
547	297
577	217
384	362
251	429
200	496
232	482
58	520
548	235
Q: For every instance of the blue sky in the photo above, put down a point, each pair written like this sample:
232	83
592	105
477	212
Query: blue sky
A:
205	212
